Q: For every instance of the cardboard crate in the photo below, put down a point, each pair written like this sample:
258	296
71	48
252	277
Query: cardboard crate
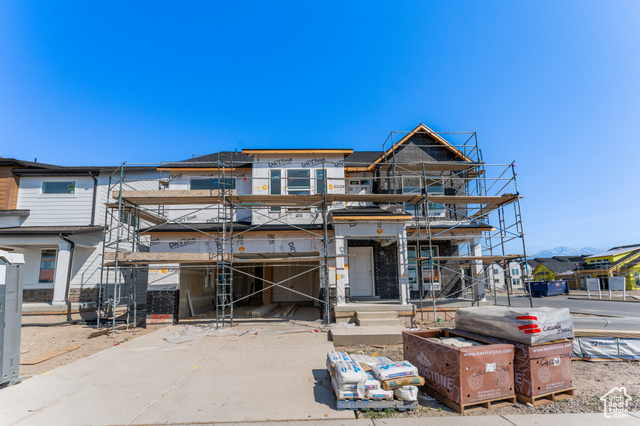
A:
465	377
539	370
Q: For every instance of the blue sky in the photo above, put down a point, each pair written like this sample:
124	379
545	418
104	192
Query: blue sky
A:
551	85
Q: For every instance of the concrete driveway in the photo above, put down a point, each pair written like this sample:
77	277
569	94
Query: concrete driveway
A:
211	379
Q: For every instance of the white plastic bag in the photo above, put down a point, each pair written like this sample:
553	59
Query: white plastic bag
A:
335	356
371	360
406	393
351	373
379	393
370	384
342	394
393	370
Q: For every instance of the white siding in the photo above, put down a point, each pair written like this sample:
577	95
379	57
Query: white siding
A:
333	164
56	209
203	213
32	267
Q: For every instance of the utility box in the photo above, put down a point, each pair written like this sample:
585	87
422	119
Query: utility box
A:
11	265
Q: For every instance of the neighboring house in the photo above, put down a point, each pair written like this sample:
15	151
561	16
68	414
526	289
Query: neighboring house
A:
55	216
622	261
557	268
495	276
528	267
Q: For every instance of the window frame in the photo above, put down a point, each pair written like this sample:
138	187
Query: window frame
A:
55	262
203	178
426	268
57	194
275	209
298	191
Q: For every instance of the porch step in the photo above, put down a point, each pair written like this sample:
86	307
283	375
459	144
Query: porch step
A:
365	315
385	335
377	319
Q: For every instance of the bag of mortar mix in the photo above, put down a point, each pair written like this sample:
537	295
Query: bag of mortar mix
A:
523	325
343	394
379	393
370	384
394	370
335	356
371	360
406	393
348	372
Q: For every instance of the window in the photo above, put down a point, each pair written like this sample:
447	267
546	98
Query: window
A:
411	185
497	280
129	219
59	187
275	186
47	266
319	181
496	271
298	182
515	272
426	268
433	186
515	281
226	183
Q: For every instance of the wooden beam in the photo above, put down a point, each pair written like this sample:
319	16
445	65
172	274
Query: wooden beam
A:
205	196
144	215
137	258
482	258
372	218
42	358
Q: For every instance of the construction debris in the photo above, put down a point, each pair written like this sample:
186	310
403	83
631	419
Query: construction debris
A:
48	355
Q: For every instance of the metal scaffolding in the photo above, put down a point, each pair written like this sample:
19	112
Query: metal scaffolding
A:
465	201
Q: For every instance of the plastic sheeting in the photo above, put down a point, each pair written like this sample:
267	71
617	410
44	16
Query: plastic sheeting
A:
524	325
606	349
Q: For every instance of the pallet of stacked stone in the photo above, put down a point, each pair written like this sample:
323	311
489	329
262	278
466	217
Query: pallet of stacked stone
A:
463	374
542	373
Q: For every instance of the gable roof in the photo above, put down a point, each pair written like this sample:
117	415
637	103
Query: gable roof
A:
615	251
422	128
559	264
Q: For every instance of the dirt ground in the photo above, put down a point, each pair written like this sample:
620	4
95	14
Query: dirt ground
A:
591	380
37	341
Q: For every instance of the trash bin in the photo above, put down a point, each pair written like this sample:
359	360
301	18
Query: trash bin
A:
548	288
11	265
555	288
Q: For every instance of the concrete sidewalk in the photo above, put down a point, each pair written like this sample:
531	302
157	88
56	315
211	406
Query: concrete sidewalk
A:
523	420
150	381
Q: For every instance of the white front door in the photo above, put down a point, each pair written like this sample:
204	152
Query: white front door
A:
361	271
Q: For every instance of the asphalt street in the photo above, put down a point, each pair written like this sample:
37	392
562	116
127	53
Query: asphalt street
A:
578	306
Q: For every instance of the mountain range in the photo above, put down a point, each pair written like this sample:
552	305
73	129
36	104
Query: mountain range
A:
567	251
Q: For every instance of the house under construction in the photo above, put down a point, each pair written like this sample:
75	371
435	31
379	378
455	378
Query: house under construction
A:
406	226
